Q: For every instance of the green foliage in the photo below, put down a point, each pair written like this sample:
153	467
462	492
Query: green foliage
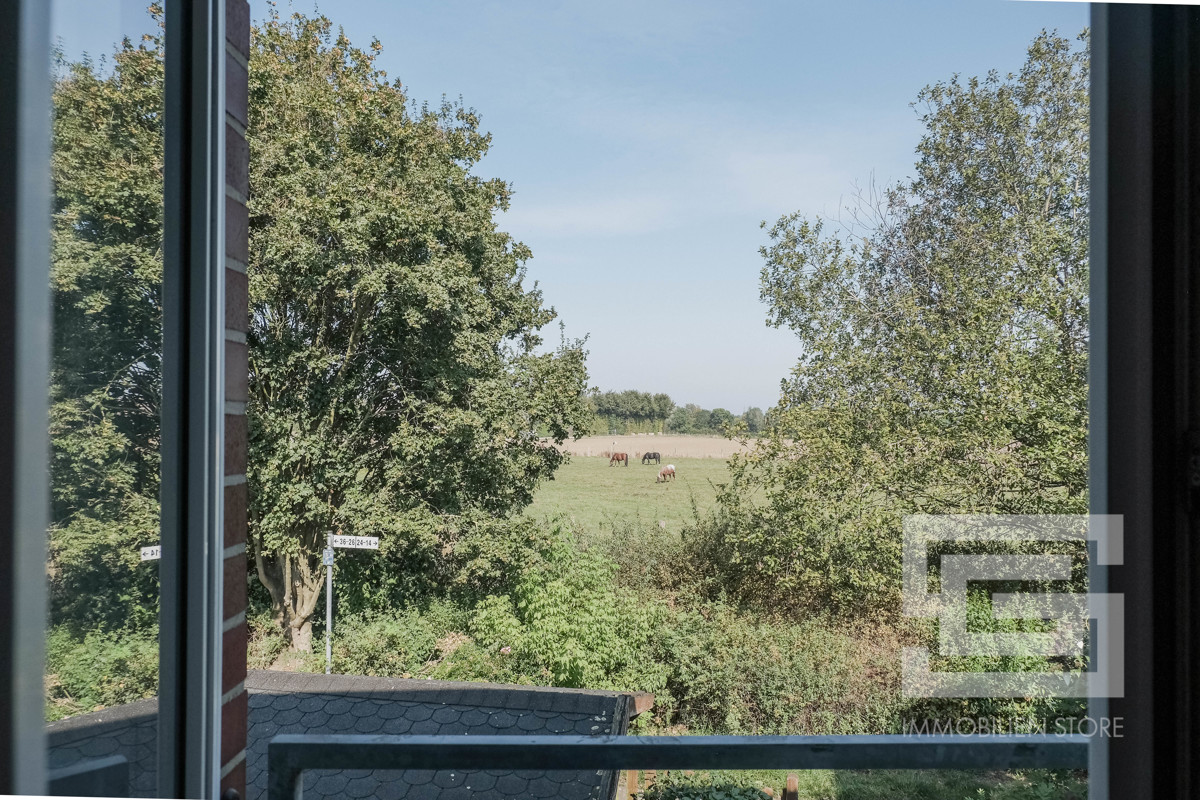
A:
871	785
568	621
677	786
755	420
1018	712
98	670
740	673
396	383
106	375
944	364
266	640
382	644
629	411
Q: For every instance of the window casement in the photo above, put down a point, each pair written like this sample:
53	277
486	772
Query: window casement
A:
1145	449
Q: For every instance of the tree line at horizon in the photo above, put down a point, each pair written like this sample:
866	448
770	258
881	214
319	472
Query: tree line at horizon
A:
631	411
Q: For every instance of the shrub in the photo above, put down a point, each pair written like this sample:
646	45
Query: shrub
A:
266	639
568	622
98	671
736	673
394	644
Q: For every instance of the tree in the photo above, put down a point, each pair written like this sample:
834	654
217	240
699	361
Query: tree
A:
754	419
396	382
680	421
106	377
945	343
631	410
719	418
700	419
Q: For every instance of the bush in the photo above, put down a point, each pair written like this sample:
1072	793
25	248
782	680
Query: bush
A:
266	639
98	671
736	673
391	643
569	624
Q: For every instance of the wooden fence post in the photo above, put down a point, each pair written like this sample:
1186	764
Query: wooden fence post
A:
792	792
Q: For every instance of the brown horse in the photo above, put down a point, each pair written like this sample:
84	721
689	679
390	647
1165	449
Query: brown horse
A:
618	458
666	472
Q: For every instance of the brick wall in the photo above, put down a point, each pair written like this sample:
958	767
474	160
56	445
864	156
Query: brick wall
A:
237	188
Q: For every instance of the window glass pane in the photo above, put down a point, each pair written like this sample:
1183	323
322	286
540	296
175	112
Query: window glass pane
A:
106	384
666	497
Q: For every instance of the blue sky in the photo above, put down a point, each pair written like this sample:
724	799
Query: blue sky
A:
647	140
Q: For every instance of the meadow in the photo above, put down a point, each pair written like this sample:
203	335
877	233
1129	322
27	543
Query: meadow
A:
594	496
670	446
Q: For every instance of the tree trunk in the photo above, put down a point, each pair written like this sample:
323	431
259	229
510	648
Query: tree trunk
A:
300	634
294	582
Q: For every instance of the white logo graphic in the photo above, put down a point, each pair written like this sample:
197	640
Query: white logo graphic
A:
1078	616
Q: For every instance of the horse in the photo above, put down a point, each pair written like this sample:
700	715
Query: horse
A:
619	458
666	472
648	457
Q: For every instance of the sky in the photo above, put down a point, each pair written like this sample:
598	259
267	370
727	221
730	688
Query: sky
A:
646	142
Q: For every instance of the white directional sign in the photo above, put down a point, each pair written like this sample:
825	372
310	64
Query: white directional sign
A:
151	553
364	542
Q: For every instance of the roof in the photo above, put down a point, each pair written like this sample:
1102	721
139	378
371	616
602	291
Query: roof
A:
288	702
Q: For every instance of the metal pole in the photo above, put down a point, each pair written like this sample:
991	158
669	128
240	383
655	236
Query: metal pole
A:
329	605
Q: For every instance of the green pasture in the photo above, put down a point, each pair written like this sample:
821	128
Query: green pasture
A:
594	495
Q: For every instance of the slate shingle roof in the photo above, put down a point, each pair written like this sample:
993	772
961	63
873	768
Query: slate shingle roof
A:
128	730
284	702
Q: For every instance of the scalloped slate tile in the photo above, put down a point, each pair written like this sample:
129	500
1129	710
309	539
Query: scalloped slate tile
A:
298	703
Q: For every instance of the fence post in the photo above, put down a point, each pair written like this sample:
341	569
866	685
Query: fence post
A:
792	792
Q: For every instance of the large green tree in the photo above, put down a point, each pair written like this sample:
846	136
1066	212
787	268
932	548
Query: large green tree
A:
106	380
944	344
397	376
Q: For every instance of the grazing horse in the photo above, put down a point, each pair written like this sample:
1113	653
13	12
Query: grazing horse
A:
666	472
655	457
617	458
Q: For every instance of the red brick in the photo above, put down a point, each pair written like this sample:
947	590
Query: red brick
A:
237	237
236	313
236	779
233	660
237	31
235	585
237	372
235	514
237	161
233	727
235	444
236	89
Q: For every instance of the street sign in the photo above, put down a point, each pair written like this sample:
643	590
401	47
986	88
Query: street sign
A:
363	542
360	542
151	553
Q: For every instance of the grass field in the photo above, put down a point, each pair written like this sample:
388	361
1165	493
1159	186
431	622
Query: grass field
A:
671	447
594	495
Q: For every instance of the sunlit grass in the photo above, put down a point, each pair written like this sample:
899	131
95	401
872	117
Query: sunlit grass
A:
594	495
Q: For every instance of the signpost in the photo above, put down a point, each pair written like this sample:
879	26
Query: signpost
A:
331	541
151	553
327	560
360	542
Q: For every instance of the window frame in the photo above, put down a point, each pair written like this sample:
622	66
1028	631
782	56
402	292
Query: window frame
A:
24	396
1135	394
191	569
